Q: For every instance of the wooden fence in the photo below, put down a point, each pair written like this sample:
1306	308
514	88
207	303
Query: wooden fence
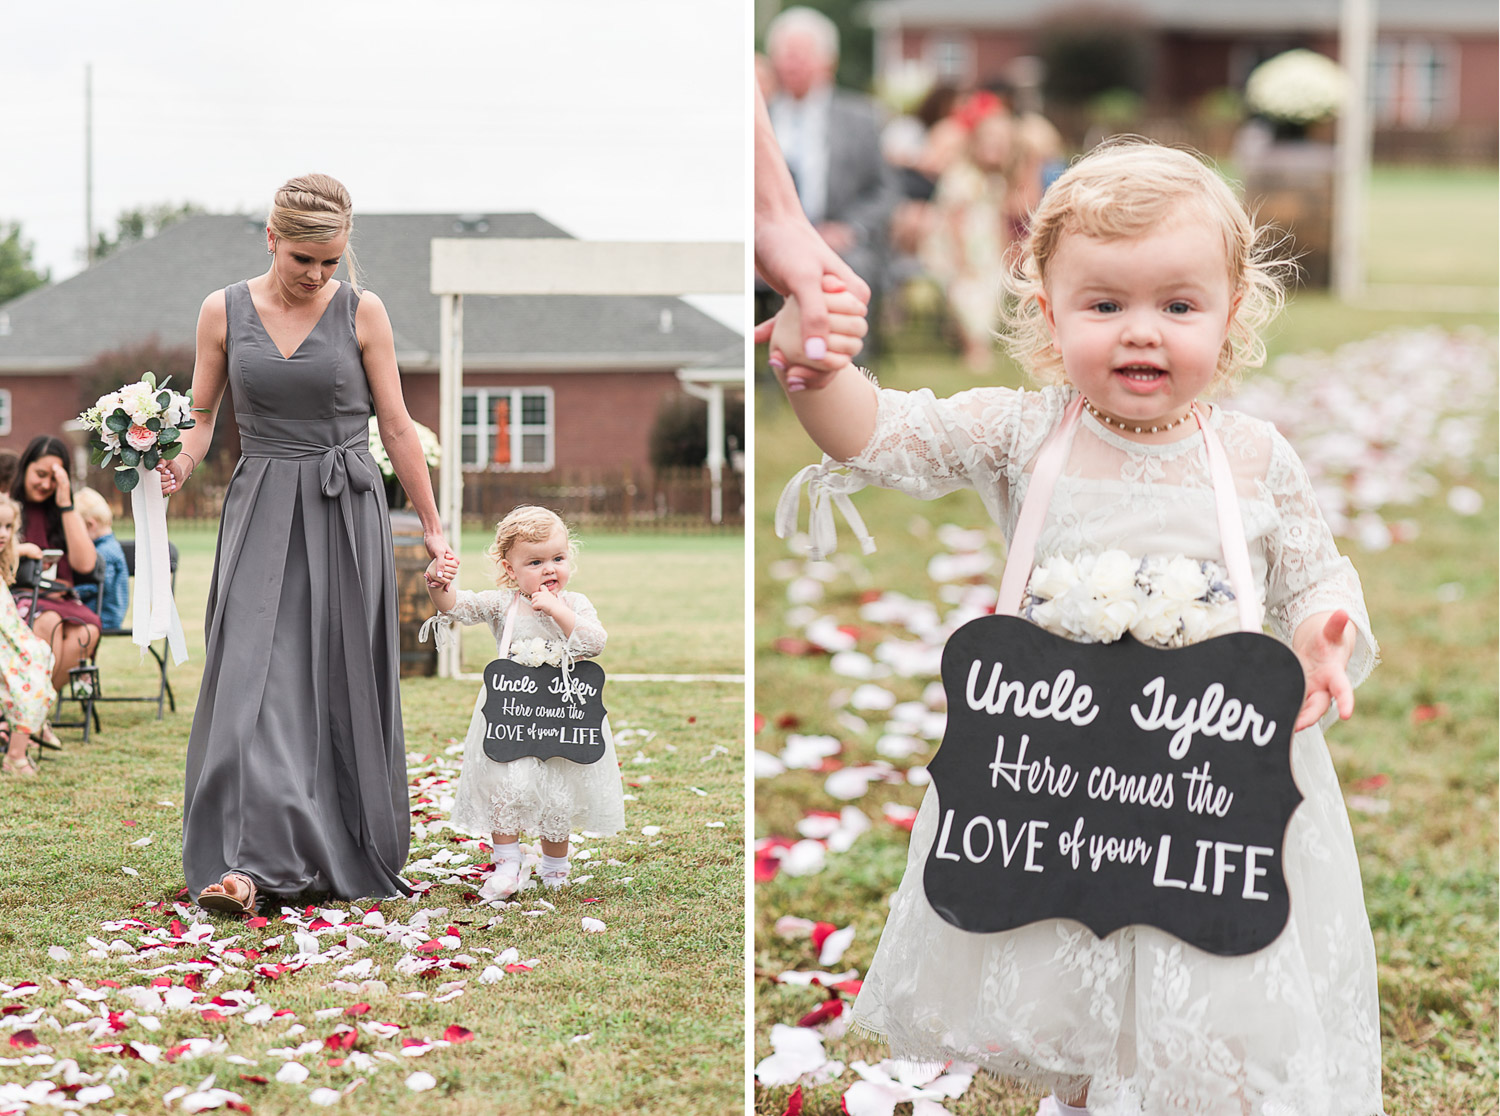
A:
665	501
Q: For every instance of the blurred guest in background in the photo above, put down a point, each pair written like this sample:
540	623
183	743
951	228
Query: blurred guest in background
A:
26	692
109	593
830	139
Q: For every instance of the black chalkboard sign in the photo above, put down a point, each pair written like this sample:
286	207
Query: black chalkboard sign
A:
1115	784
531	711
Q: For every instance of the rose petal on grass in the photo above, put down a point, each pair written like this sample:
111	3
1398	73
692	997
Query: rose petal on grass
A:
325	1097
420	1081
58	953
292	1073
593	925
457	1034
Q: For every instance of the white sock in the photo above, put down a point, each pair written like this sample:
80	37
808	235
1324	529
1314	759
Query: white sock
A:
510	852
555	863
1064	1109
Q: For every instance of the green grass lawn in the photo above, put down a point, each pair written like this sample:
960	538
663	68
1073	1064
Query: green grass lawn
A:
1423	739
645	1016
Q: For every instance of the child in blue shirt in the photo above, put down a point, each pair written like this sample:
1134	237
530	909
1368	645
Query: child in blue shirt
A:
111	600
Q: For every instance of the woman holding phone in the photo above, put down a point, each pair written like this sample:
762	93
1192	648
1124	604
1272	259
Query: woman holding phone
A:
43	486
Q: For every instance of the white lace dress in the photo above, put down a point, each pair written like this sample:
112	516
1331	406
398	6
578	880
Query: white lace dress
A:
1152	1025
544	798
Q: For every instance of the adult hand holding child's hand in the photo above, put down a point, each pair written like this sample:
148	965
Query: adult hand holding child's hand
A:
796	368
442	570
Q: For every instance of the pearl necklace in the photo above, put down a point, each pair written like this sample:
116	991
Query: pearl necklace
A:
1107	421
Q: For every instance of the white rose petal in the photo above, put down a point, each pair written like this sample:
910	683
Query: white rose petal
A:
420	1081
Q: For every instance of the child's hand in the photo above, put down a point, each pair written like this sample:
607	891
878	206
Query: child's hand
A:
544	600
1323	644
440	572
28	550
802	370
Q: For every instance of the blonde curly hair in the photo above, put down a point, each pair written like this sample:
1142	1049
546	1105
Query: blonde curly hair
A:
1127	187
8	555
527	523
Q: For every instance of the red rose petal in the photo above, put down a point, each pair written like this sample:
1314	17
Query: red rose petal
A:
341	1040
357	1009
793	1103
820	932
760	723
514	968
335	1062
257	922
161	982
433	946
24	1039
455	1033
319	924
788	720
193	981
849	987
828	1009
255	1078
130	821
212	1016
175	1052
237	1106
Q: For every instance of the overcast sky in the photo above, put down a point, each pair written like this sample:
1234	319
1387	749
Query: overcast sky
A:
615	119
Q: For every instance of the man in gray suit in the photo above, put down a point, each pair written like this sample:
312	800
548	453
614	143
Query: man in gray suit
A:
830	139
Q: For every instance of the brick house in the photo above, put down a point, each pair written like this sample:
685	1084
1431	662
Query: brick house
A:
553	385
1436	65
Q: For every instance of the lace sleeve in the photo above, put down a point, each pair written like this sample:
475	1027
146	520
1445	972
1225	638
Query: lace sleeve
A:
927	447
587	640
470	608
1307	574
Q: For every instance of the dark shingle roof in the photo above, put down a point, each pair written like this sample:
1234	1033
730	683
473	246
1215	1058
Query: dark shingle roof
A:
156	287
1190	15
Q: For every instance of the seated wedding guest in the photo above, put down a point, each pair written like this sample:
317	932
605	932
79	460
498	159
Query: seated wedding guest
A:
8	462
108	595
43	486
26	692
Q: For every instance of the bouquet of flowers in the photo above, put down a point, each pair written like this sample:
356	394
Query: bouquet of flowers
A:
141	423
1162	601
432	450
536	652
1298	87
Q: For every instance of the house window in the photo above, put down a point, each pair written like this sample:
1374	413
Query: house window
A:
4	411
1414	83
507	429
951	58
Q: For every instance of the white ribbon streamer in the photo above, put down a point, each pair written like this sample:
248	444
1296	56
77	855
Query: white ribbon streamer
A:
153	613
827	488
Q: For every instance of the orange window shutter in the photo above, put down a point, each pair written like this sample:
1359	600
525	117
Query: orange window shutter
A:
501	456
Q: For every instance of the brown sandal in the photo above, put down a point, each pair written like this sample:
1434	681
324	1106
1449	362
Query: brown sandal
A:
224	901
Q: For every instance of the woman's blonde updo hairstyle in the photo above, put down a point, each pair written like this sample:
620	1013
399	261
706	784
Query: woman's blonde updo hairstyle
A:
315	208
527	523
1129	187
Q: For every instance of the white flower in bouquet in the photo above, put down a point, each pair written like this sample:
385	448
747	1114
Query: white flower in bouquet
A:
1054	578
1159	622
432	449
536	652
1299	87
142	424
1183	580
1113	575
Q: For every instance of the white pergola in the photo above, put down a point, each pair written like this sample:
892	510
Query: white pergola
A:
559	266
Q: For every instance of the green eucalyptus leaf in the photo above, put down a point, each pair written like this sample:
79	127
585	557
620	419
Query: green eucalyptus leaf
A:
168	434
126	479
170	450
130	456
153	424
150	458
119	422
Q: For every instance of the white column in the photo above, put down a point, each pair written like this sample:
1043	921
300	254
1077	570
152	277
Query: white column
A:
713	394
450	403
1356	42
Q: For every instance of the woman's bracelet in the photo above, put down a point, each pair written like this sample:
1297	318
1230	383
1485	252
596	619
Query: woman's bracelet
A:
61	509
191	458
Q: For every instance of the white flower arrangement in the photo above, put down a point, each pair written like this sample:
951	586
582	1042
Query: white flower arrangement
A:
536	652
432	449
141	423
1162	601
1298	86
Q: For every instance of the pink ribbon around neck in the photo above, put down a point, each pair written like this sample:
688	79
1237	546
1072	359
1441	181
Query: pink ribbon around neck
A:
503	650
1049	465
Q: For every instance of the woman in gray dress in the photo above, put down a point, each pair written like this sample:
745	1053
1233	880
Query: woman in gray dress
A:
296	767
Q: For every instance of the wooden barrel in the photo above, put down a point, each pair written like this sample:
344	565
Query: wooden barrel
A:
413	605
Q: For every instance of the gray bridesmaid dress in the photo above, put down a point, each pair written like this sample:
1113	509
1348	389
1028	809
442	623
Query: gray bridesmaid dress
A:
296	767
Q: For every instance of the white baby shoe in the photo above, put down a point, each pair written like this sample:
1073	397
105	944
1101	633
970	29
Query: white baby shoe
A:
504	882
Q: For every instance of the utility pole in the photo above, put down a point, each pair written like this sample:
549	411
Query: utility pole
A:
88	164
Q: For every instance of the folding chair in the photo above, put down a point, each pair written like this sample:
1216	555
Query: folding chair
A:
163	693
